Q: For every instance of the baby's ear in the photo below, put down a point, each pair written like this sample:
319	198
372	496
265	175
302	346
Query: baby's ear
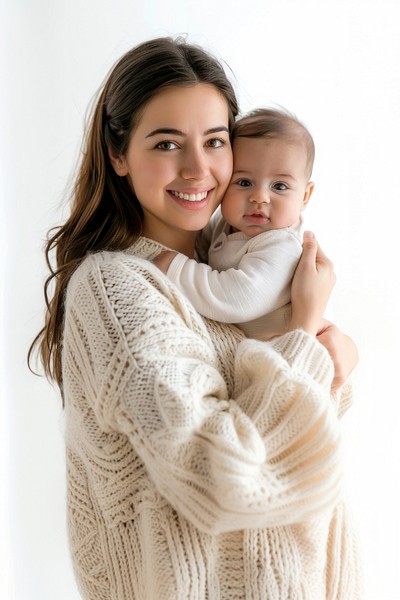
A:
307	194
119	163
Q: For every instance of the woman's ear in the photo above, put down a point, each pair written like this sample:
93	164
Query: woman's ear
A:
308	191
119	163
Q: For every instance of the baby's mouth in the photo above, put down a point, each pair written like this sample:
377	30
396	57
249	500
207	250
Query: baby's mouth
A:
258	216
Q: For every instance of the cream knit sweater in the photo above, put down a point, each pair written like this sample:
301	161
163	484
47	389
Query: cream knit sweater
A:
201	465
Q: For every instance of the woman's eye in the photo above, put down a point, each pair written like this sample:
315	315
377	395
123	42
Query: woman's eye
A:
280	187
216	143
166	145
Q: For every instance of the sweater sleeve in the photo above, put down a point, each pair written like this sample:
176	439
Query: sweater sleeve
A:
266	456
259	285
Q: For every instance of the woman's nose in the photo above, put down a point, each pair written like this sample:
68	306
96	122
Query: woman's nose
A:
195	165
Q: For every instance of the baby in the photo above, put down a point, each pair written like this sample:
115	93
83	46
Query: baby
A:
254	241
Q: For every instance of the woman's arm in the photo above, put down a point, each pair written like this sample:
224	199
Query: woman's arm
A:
266	456
313	280
314	270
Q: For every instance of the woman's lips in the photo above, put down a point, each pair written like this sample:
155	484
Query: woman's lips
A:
191	197
191	200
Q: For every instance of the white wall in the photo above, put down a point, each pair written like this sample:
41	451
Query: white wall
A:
336	65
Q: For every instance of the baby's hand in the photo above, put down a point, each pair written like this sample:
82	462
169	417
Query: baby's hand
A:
164	259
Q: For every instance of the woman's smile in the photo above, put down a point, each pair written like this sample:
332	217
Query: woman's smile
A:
179	162
192	201
191	196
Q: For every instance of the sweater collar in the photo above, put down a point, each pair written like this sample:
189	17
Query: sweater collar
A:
146	248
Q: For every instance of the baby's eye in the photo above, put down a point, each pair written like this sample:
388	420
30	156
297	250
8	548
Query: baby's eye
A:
280	186
216	143
244	183
166	145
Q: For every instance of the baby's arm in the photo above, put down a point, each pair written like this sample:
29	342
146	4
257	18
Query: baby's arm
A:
259	284
341	347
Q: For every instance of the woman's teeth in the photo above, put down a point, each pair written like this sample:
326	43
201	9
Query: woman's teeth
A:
190	197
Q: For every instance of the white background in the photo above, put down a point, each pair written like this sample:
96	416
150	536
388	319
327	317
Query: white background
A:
337	66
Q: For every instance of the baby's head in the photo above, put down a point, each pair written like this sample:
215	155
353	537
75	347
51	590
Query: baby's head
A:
272	124
273	160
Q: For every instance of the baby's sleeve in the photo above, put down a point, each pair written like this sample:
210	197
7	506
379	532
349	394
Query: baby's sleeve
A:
260	284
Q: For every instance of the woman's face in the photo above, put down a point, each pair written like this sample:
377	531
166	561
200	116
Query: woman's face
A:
179	162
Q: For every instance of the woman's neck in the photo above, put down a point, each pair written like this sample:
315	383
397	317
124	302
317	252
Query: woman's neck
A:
178	240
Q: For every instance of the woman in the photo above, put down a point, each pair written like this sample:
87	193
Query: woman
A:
200	464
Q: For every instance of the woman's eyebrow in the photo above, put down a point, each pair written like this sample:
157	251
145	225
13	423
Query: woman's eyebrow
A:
165	130
216	130
170	131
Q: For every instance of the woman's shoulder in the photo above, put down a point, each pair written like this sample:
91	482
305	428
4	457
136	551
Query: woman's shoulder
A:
111	258
137	258
96	265
127	282
125	294
111	278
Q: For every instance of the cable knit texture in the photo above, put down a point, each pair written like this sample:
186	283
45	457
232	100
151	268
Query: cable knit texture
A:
201	465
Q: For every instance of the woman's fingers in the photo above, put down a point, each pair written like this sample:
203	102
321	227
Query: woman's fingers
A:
312	252
342	349
312	286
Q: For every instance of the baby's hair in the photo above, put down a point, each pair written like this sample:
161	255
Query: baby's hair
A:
276	124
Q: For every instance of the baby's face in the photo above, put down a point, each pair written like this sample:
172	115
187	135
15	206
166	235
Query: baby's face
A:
269	186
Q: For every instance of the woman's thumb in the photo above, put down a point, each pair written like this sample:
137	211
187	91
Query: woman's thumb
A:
312	253
309	241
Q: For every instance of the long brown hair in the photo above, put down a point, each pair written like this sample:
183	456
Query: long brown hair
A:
105	213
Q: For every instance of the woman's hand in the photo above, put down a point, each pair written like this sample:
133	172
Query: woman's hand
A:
342	349
311	287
